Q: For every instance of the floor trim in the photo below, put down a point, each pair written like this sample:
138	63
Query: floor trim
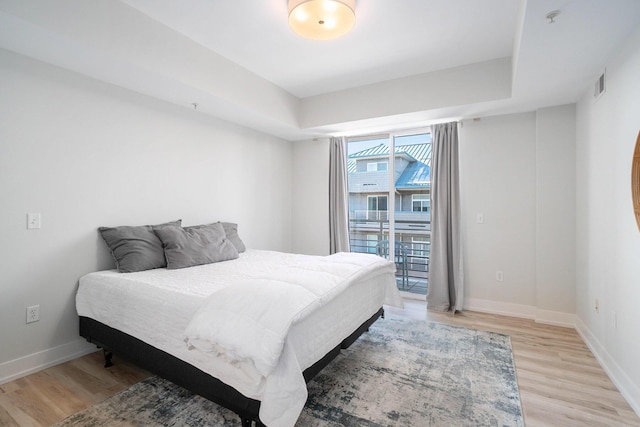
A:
29	364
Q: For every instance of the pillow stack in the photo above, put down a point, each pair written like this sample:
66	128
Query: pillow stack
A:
139	248
201	244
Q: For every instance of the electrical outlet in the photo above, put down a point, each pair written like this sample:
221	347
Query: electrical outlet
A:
33	313
499	276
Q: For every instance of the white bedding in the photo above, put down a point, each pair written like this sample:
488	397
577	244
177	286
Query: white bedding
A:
156	306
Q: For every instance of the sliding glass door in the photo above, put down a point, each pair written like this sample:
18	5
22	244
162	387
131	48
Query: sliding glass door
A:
389	202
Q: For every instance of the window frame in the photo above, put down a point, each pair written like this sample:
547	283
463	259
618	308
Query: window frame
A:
377	197
377	166
425	201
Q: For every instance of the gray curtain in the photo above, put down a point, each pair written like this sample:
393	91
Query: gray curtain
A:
445	265
338	197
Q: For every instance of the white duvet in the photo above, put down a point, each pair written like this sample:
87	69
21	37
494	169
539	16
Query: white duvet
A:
261	311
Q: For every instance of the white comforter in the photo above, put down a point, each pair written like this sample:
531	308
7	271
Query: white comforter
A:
261	312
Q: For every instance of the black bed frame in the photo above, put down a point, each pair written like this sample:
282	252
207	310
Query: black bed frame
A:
187	375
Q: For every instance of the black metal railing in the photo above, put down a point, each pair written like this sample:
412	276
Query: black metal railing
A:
370	234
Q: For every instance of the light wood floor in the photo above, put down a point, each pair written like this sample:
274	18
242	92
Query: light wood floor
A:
561	383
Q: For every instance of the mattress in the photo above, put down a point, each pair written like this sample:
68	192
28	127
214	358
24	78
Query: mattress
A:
156	306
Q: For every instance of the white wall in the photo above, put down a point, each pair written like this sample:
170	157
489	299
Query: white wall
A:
519	172
608	240
86	154
311	196
498	171
556	209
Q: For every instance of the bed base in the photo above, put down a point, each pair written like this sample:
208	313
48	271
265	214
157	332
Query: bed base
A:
188	376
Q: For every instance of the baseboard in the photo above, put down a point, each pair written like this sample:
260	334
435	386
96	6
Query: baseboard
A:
555	318
547	317
35	362
629	390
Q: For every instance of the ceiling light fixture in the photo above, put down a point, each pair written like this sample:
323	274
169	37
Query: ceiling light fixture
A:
322	19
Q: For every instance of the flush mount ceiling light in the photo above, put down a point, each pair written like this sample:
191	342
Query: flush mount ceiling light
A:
322	19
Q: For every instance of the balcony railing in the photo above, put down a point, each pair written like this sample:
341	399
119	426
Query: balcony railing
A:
363	216
367	229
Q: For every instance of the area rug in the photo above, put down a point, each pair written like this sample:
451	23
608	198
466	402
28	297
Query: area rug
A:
400	373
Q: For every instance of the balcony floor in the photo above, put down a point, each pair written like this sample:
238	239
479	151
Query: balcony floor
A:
414	285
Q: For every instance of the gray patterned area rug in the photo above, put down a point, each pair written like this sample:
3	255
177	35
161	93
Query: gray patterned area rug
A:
400	373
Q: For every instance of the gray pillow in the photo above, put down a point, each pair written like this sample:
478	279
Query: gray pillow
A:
231	230
197	245
136	248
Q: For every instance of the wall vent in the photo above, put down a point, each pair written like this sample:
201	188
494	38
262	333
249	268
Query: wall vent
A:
600	85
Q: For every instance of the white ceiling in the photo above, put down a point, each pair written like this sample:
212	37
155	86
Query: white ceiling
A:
189	51
391	38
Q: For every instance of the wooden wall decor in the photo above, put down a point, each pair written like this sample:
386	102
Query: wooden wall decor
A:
635	181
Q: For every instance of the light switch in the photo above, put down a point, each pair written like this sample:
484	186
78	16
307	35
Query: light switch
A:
480	218
33	221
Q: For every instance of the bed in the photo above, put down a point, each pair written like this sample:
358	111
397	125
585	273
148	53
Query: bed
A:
161	319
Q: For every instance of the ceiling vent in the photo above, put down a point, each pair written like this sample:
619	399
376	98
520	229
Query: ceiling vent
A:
600	86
